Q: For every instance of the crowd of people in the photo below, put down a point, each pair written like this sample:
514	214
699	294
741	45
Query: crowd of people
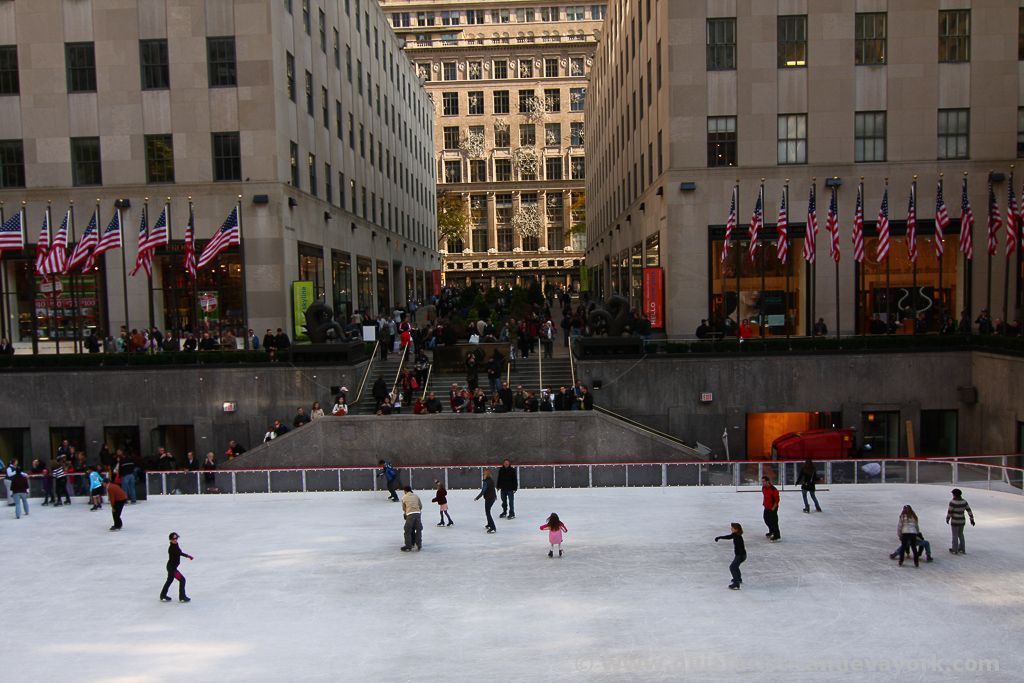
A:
153	340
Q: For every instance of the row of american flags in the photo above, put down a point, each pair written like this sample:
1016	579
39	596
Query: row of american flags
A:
1014	224
54	258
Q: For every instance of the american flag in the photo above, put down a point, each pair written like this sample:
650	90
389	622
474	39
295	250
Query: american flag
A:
756	221
882	250
1012	219
57	254
912	224
995	221
80	254
941	221
190	244
832	225
161	232
43	244
12	232
228	235
811	238
730	223
110	239
144	257
782	245
966	224
858	227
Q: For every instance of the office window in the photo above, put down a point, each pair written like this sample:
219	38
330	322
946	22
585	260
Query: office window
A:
525	96
792	40
578	168
220	60
337	49
552	135
574	13
9	81
337	118
348	63
424	18
869	136
792	139
305	15
451	137
293	161
501	16
476	71
503	170
322	27
311	160
289	70
85	162
549	13
721	47
553	100
351	132
453	171
451	18
450	103
153	64
577	66
288	6
870	38
577	99
309	93
551	67
476	102
449	71
328	187
576	133
721	141
527	135
80	62
553	168
478	170
500	69
954	133
325	107
227	156
1020	132
955	35
1020	34
12	163
502	136
159	159
501	105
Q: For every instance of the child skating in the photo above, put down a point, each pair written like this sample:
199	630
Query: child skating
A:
441	498
174	555
740	551
555	529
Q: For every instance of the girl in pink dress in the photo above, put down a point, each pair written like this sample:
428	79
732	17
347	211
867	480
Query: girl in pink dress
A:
555	529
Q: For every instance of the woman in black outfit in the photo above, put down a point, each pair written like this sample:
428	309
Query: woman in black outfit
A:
174	555
487	492
741	554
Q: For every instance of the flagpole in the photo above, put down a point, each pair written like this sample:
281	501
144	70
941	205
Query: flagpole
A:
124	266
809	235
195	278
1006	270
241	260
785	297
913	270
51	315
888	286
739	263
968	268
149	275
834	259
988	274
760	299
939	236
3	284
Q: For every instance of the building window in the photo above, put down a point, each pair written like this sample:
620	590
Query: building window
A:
478	222
577	67
501	102
451	137
227	156
325	107
793	138
552	135
453	171
869	136
9	82
525	97
525	68
153	64
474	16
721	44
351	132
553	100
478	169
721	141
574	13
449	72
551	67
1020	34
476	71
85	162
553	168
337	49
501	16
954	133
450	103
577	99
322	25
792	41
337	119
289	70
293	161
311	160
578	168
348	64
503	170
500	69
451	18
549	13
12	164
305	16
476	102
309	93
159	159
1020	132
554	212
503	221
527	135
502	136
955	35
870	38
80	62
220	58
576	133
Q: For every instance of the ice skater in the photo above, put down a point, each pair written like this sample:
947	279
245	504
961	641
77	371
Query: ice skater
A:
956	521
808	477
508	484
740	551
771	501
174	555
117	497
391	476
924	549
489	496
441	498
95	489
411	509
60	483
555	529
908	530
18	485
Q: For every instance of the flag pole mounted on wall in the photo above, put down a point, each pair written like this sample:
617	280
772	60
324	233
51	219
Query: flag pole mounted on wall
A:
912	246
3	286
1012	228
241	272
124	266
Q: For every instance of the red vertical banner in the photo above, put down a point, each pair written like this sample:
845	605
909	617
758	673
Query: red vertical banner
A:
654	297
435	278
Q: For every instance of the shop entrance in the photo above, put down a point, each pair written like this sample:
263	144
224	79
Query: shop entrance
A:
764	428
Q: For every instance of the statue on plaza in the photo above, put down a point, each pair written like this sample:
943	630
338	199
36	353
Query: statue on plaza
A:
611	317
321	327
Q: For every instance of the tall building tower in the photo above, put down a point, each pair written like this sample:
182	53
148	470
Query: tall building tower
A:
509	84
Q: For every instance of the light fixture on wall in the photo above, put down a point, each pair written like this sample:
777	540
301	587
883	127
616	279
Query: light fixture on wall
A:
260	199
229	406
687	187
834	181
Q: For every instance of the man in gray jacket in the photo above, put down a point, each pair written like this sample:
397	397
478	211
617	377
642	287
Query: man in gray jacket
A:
411	509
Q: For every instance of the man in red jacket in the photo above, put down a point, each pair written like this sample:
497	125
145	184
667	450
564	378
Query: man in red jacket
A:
771	509
117	498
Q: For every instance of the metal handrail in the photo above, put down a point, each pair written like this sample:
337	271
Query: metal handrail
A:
643	427
572	363
540	366
398	373
426	383
366	373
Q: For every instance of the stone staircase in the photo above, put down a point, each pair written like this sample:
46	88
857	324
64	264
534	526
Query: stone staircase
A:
386	368
529	372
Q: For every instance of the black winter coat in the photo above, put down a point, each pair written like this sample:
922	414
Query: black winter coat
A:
508	480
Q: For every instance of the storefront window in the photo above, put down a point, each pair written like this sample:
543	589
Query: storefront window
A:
410	284
364	284
636	276
54	303
311	267
383	286
219	290
215	297
421	283
341	280
756	290
653	258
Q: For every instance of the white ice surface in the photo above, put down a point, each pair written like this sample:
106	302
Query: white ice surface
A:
312	587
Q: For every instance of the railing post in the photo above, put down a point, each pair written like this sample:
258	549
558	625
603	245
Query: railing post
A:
163	483
627	475
234	489
956	473
339	480
828	473
303	481
590	476
554	477
856	471
268	482
883	471
664	475
446	477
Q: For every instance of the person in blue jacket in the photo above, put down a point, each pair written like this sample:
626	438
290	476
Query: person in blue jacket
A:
391	476
96	488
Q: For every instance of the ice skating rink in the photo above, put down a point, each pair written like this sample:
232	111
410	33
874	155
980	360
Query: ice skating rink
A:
312	587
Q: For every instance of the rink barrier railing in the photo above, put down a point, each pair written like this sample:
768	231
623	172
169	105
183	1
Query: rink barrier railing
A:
740	475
